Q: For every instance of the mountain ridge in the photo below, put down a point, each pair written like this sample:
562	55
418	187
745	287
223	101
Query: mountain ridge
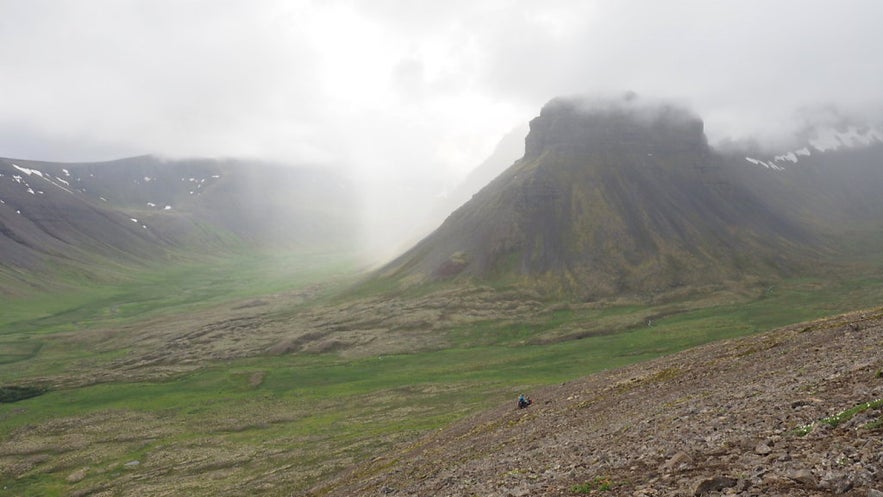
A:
88	218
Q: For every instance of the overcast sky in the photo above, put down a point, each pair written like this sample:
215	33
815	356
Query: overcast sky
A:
422	89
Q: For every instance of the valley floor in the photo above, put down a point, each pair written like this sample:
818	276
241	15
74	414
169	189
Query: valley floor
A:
261	379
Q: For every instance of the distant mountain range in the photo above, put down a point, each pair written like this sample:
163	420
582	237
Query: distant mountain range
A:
622	196
59	218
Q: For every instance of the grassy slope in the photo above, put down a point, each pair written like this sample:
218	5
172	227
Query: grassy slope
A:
173	290
275	425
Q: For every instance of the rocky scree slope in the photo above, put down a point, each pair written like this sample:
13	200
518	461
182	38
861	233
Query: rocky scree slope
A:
792	412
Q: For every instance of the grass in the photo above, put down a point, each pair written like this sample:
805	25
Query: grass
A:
30	328
274	425
169	290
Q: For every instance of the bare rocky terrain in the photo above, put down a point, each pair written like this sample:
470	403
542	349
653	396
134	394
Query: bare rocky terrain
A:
794	412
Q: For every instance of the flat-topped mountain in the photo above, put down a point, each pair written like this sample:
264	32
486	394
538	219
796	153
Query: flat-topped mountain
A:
621	197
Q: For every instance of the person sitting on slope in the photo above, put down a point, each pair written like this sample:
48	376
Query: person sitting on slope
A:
523	401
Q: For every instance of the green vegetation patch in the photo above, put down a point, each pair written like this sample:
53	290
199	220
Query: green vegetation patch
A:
598	484
842	417
20	350
275	425
9	394
839	418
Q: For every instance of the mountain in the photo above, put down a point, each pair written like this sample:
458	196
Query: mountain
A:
623	196
796	411
830	183
86	217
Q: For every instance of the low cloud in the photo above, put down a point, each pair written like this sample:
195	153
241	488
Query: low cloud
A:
419	91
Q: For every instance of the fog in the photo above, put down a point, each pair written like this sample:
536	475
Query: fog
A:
407	97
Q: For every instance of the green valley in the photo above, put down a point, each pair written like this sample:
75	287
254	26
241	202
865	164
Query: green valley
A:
126	410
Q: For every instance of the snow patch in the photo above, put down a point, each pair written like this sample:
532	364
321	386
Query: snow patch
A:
31	191
63	181
790	156
151	204
148	179
133	219
28	171
102	198
766	164
167	208
825	140
66	172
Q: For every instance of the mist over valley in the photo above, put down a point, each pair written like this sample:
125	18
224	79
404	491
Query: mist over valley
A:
311	249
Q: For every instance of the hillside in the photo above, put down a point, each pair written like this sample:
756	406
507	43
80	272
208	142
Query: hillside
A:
795	411
627	197
96	219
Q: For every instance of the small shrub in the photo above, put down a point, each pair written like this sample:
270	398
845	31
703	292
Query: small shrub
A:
9	394
804	430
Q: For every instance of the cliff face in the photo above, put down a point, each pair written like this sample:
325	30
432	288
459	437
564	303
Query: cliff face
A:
610	197
581	128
